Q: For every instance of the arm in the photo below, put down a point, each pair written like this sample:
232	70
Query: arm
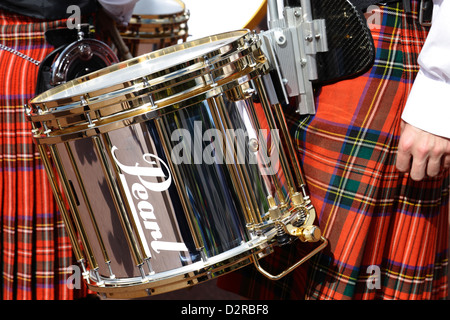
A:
424	146
120	10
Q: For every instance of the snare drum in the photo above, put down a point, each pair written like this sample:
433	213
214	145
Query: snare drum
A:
155	24
167	167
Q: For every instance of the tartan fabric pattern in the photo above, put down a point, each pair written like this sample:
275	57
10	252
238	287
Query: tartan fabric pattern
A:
388	235
36	251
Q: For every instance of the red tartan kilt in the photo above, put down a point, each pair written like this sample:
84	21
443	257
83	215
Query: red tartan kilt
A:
36	251
377	220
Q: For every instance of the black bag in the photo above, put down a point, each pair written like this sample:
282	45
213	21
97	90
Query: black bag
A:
48	9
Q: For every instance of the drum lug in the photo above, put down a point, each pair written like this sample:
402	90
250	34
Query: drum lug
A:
274	210
46	129
34	130
99	282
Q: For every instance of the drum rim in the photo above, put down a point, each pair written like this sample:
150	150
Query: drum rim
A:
64	120
142	113
227	261
44	99
193	68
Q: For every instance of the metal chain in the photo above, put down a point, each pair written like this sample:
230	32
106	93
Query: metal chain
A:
19	54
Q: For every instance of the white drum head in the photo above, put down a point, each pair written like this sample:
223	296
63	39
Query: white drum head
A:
146	67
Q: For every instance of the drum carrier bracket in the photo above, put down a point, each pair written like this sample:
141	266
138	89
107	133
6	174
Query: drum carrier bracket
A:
291	45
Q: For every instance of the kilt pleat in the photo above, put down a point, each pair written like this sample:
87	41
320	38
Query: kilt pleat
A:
36	252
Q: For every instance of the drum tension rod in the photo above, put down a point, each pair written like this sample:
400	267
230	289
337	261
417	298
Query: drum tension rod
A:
84	103
209	67
146	84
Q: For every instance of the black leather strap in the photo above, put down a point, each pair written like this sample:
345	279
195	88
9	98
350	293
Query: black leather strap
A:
48	9
361	5
64	36
426	12
44	78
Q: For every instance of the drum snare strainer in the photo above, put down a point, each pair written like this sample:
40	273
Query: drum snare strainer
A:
173	168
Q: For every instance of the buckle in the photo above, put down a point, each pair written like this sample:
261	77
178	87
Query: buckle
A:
426	12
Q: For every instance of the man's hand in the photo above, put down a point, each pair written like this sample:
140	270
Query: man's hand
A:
422	153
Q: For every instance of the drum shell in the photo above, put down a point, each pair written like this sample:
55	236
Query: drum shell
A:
218	214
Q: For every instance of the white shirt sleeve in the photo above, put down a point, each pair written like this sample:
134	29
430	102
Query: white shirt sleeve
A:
120	10
428	104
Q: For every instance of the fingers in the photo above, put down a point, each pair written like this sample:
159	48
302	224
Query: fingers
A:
405	147
437	156
433	167
446	162
403	162
421	162
402	126
418	168
422	154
